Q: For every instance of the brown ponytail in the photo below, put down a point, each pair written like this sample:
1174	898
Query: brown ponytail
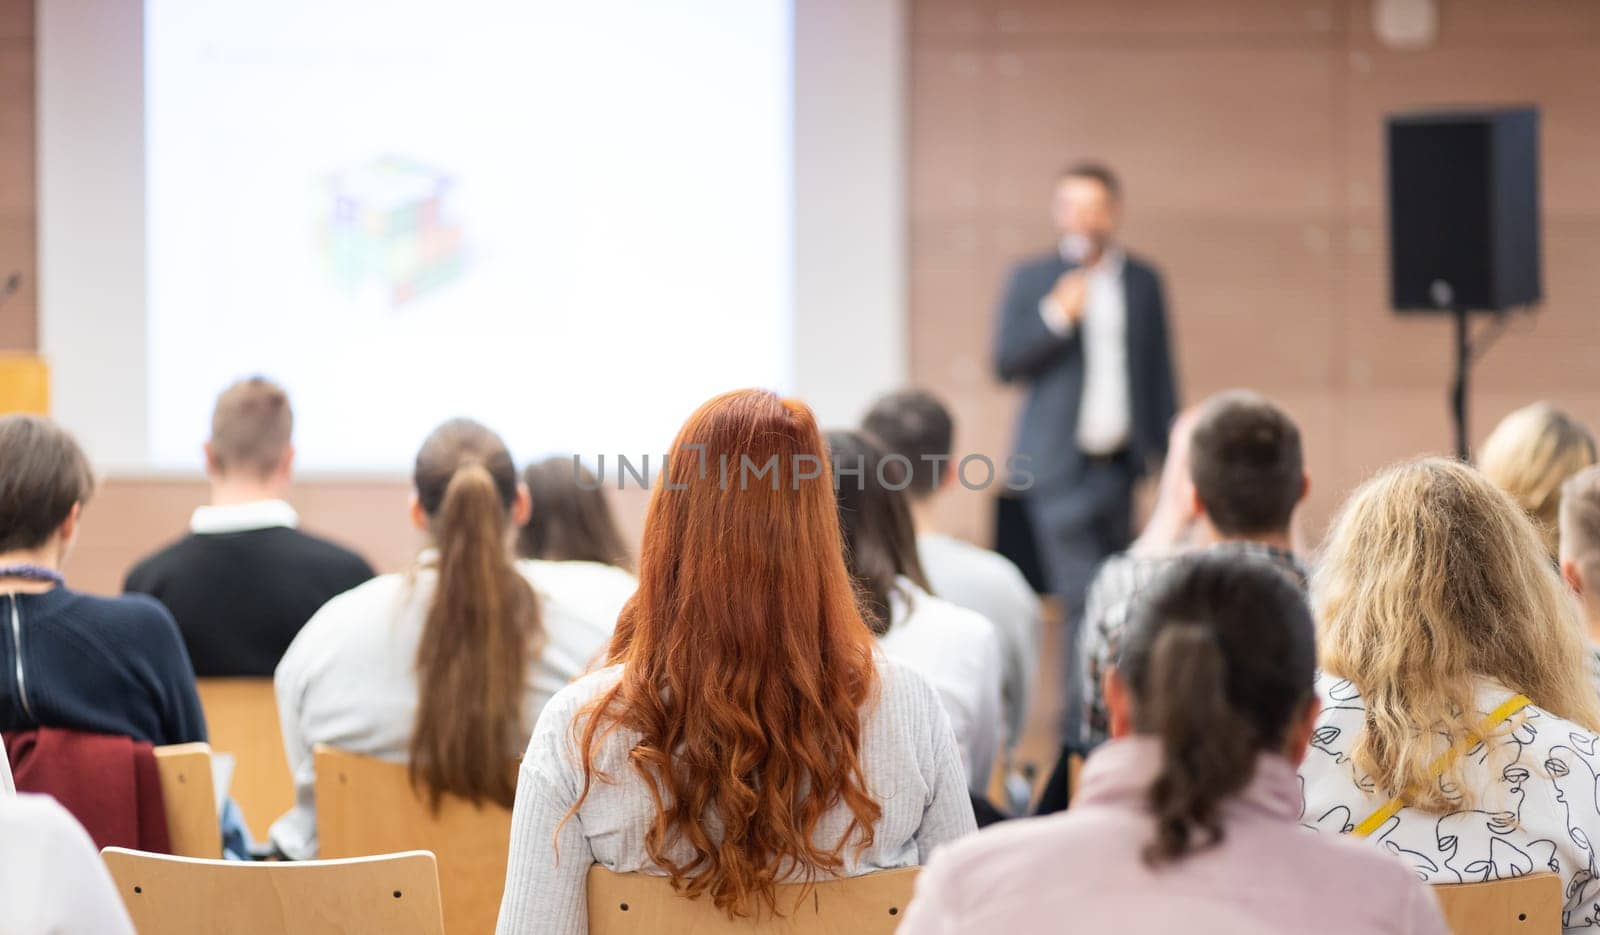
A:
1207	752
483	625
1219	658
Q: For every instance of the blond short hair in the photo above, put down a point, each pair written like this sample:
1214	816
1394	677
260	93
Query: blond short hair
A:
1530	454
1580	524
251	428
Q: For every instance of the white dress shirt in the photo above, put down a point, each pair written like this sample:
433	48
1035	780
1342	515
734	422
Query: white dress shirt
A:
52	882
958	652
349	679
242	517
987	582
1105	411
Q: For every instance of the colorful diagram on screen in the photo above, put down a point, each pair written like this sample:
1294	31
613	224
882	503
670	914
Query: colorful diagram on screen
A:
390	229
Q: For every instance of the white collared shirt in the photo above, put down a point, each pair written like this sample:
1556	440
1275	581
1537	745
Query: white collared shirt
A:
1105	411
243	517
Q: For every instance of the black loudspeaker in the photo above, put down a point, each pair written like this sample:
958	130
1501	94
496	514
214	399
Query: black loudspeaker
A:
1464	210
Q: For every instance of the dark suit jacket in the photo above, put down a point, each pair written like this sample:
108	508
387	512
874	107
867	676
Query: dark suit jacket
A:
1026	351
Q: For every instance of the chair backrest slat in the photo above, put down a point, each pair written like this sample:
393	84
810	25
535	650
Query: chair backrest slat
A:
368	806
872	904
1529	905
190	799
397	894
242	719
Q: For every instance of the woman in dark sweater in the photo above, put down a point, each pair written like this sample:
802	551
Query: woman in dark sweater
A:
67	659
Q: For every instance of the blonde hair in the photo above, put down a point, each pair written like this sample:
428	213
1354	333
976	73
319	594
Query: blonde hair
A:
1580	526
1431	580
1529	454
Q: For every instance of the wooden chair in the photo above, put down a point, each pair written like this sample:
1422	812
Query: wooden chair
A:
635	902
242	717
1529	905
1074	770
367	806
190	800
397	894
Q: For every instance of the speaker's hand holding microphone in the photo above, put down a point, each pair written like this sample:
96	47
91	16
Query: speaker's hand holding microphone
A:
1068	297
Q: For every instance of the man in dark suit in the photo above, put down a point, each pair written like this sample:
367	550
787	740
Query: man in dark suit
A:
1085	329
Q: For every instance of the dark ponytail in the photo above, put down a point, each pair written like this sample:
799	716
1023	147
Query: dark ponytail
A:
1219	659
1207	752
482	627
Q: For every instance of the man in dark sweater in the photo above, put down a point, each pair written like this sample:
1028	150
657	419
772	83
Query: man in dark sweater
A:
245	580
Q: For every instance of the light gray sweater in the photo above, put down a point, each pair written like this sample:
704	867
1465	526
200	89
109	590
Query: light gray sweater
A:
908	754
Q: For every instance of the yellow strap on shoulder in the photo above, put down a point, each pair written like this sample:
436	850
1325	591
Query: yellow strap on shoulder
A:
1495	718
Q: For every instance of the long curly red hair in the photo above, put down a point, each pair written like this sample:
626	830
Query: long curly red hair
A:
745	660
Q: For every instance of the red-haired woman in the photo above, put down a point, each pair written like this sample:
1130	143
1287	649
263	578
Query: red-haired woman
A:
746	734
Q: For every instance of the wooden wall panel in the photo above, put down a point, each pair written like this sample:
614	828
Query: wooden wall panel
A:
129	517
18	187
1249	134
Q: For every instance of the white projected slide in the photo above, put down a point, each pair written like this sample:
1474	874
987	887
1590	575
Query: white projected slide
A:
571	221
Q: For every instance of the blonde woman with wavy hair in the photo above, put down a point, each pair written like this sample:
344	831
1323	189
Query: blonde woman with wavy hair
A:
1441	620
1530	454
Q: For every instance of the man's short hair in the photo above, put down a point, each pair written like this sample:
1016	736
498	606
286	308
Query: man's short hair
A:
1246	463
1098	171
1580	524
916	425
251	428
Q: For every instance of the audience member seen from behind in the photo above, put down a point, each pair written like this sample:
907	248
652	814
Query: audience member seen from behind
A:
955	649
447	666
52	880
747	732
570	520
106	665
1189	819
1530	454
1246	478
1580	554
1442	621
915	425
245	579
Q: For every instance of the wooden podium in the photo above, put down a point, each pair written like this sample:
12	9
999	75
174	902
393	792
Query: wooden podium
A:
24	383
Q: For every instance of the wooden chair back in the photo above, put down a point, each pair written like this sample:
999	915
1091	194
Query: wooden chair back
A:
1529	905
242	719
190	800
625	903
368	806
397	894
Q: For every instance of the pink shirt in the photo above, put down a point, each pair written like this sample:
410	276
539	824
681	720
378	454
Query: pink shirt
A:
1081	871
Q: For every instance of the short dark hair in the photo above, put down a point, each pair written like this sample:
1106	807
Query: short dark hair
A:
43	473
1098	171
1219	657
251	427
1246	464
913	423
